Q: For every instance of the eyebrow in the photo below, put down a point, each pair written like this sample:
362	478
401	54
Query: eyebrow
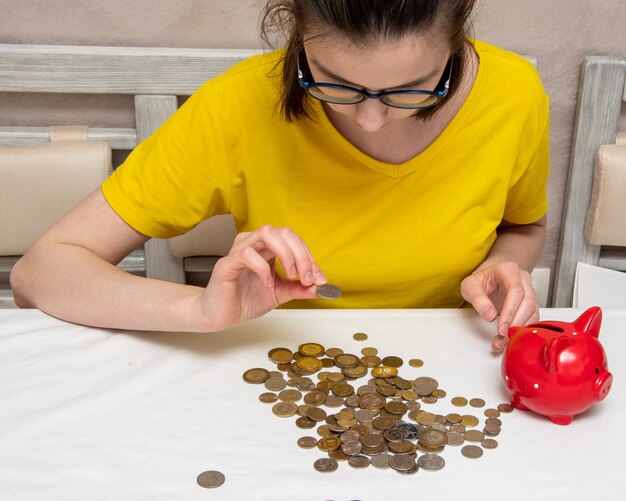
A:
334	76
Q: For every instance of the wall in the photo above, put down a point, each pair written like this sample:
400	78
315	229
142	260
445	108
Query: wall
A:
558	33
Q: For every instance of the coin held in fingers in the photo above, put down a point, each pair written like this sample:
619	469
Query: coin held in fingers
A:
328	291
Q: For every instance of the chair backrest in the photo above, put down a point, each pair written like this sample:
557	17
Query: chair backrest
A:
601	94
154	76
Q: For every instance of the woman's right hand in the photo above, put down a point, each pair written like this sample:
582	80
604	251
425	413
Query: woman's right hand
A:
244	284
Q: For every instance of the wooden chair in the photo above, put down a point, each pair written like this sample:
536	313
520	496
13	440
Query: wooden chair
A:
155	77
602	92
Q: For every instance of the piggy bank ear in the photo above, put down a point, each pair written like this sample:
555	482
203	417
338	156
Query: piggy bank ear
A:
590	321
552	350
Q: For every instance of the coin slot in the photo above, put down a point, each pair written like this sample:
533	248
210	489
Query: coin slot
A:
548	326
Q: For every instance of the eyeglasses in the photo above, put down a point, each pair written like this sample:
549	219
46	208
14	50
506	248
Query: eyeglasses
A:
406	99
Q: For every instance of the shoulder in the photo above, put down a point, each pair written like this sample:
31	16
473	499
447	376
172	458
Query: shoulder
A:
508	70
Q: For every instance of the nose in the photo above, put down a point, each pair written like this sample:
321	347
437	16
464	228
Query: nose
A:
603	384
371	114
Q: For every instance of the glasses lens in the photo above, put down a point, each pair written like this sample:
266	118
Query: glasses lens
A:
338	95
405	100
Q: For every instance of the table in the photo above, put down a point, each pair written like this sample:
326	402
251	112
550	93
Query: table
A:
95	414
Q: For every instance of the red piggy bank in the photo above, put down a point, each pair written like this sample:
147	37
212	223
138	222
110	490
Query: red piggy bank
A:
557	369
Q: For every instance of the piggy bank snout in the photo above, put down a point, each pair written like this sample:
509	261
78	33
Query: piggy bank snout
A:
603	385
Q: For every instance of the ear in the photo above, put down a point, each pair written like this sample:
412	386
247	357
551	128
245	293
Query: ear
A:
590	321
551	351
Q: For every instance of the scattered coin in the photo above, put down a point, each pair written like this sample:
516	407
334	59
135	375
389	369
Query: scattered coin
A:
416	362
307	442
472	451
328	291
359	336
393	362
431	462
268	397
489	443
459	401
284	409
256	376
210	479
505	407
477	402
325	465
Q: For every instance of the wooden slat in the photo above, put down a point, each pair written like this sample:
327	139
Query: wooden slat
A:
597	118
118	139
150	113
200	264
111	70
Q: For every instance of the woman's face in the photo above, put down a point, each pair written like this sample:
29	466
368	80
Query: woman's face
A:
413	62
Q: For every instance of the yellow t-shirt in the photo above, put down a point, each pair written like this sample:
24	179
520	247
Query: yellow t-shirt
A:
391	236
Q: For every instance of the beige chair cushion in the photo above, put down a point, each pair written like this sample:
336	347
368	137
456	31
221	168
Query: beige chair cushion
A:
39	184
606	217
212	237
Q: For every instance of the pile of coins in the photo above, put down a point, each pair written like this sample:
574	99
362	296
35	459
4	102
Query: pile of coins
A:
370	426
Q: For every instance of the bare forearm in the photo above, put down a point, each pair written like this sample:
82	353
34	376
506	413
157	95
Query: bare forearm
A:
72	283
519	244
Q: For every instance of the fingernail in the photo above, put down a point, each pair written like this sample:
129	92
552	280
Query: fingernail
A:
308	277
489	314
293	273
498	343
504	329
320	279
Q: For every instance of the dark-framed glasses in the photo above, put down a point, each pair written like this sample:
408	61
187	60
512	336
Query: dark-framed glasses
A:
345	94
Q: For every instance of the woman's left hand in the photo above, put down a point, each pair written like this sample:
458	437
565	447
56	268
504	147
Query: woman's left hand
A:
502	290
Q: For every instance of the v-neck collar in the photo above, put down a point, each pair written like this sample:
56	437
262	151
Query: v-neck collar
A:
427	155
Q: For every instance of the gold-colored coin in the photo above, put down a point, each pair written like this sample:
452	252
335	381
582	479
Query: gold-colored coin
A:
309	364
459	401
280	355
290	395
489	443
256	376
355	372
346	360
342	390
336	377
333	352
305	423
416	362
369	351
284	409
469	420
331	443
492	413
268	397
453	418
477	402
359	336
315	398
438	393
384	372
505	407
393	361
311	349
409	395
429	399
370	361
474	436
338	455
425	418
432	439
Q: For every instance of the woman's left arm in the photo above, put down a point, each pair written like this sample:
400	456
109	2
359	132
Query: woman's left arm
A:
501	286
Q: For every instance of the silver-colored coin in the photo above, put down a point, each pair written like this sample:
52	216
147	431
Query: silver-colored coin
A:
307	442
210	479
380	461
472	451
431	462
412	430
325	465
454	438
402	462
395	434
410	471
328	291
359	462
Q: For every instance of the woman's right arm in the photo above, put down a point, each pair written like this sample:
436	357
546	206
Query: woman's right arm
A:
70	273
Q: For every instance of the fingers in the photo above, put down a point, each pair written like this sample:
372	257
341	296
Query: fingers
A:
473	291
289	248
520	303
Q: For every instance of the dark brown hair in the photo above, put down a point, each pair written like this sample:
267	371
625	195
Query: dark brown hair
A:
362	22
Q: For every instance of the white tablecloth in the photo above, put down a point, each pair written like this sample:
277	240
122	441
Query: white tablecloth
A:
92	414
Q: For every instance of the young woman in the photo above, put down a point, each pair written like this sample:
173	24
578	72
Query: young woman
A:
381	148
